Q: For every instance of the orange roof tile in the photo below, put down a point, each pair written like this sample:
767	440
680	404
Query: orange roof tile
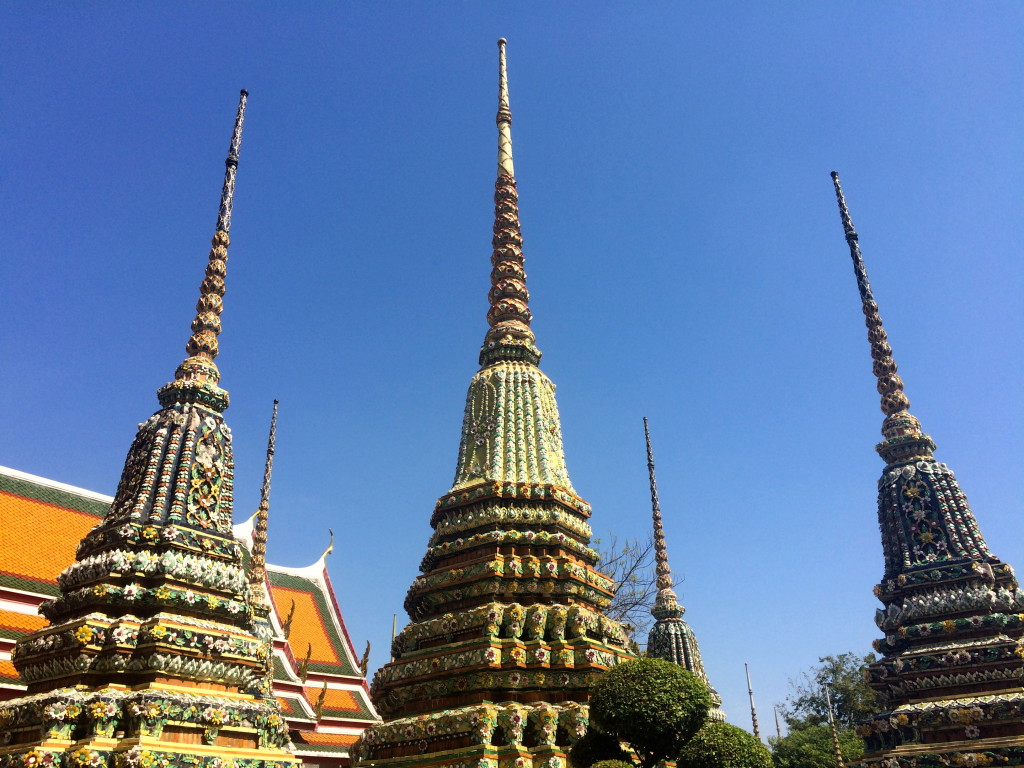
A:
8	672
336	699
290	705
21	623
333	739
308	625
24	519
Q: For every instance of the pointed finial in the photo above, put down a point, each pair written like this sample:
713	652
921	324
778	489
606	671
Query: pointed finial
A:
509	337
330	545
258	563
195	380
304	664
666	602
318	708
902	431
286	626
504	117
753	709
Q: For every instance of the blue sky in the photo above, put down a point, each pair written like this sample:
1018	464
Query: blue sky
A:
684	252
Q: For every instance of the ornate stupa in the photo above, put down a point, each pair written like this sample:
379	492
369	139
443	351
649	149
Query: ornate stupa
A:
507	631
952	666
671	637
151	656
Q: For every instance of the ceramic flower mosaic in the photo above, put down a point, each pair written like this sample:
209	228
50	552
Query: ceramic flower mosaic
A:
152	647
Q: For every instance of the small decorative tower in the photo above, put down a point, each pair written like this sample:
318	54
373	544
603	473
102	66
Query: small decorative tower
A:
952	663
753	709
671	637
151	656
259	596
507	630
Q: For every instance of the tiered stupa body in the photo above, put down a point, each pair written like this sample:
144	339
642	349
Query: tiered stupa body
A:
151	657
952	661
671	638
507	630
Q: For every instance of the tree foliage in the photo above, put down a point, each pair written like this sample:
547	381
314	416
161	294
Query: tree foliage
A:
852	699
720	745
631	566
654	705
810	746
597	747
809	741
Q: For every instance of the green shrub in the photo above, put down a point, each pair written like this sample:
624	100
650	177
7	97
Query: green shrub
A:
720	745
596	747
811	747
654	705
612	764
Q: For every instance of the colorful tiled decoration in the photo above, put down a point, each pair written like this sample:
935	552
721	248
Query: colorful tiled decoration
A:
507	629
953	652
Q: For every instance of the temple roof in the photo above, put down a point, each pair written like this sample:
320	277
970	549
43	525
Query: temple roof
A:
31	504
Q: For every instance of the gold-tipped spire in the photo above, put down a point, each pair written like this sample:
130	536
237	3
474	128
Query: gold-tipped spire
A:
197	377
902	431
258	563
666	598
509	337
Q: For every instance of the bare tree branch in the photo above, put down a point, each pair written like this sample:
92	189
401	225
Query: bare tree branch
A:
631	565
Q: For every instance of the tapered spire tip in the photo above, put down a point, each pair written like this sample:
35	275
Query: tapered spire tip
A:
258	563
902	430
666	603
509	337
197	377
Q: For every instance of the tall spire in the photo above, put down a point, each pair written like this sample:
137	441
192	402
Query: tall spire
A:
509	337
666	599
196	378
671	638
953	613
902	431
753	709
258	563
511	430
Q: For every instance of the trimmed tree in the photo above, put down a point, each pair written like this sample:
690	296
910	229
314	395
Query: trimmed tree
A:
810	746
597	747
654	705
720	745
